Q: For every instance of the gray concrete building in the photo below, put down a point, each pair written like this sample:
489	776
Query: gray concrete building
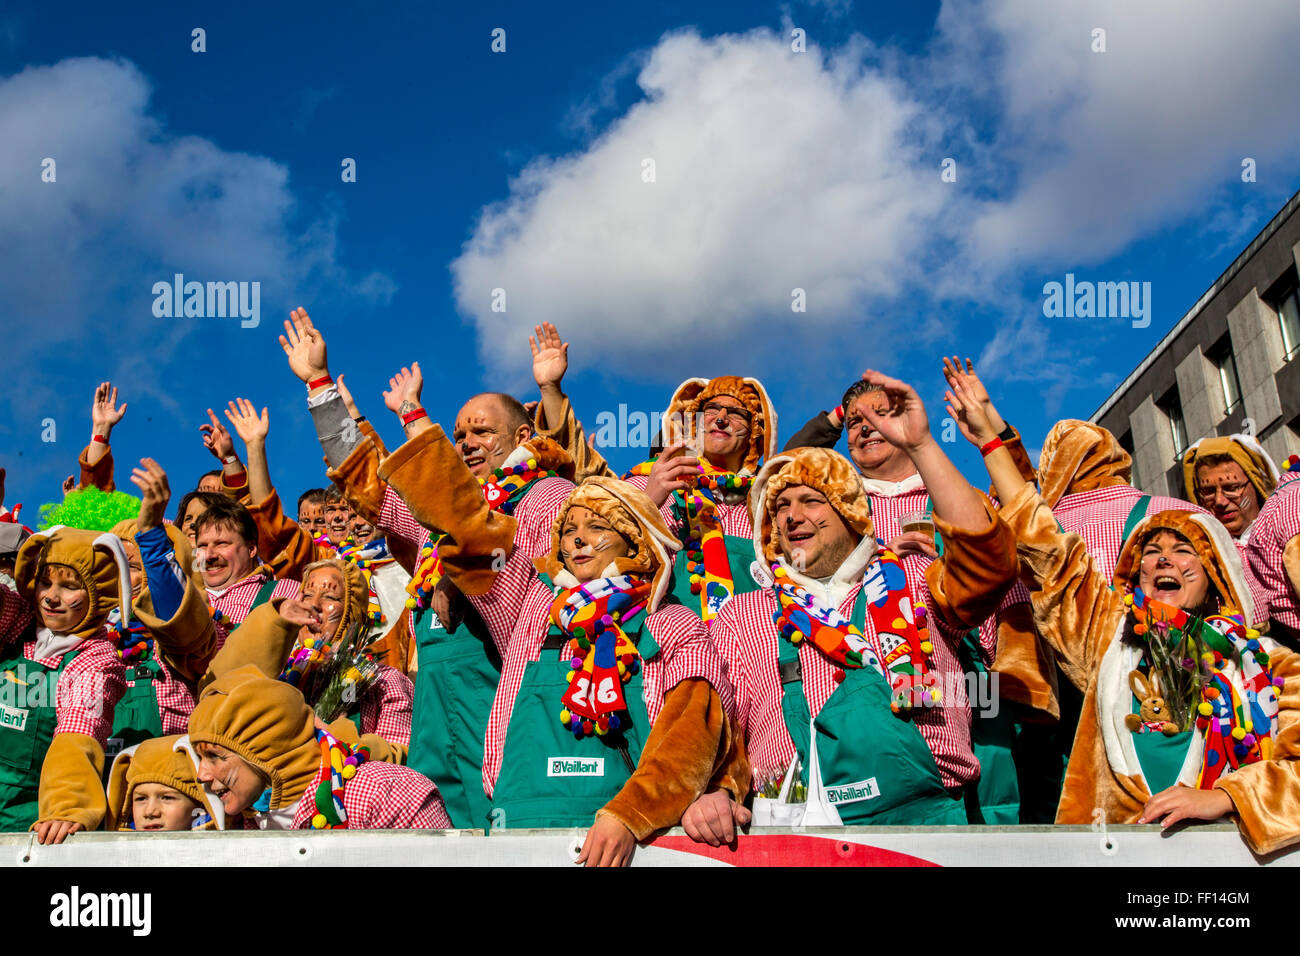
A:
1229	365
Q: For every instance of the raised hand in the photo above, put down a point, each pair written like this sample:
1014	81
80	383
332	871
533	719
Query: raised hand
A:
296	612
669	474
346	395
550	356
403	393
104	413
216	439
969	413
251	427
155	493
953	372
304	346
902	422
69	483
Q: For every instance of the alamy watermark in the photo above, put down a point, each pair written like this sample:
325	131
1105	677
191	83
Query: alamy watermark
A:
212	300
1099	300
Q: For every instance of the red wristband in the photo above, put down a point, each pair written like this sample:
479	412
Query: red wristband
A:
99	438
839	413
318	382
992	446
414	416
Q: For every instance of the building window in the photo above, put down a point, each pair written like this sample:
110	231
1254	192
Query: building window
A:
1221	356
1126	442
1173	410
1288	313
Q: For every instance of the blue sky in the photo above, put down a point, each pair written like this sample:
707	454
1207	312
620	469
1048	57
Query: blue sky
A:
523	170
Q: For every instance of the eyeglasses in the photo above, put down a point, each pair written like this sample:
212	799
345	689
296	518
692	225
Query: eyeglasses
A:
740	416
1233	492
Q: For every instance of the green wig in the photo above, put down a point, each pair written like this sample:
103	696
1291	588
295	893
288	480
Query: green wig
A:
90	509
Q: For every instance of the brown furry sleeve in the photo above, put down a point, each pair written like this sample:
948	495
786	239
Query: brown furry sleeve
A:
100	474
978	567
568	434
688	744
71	787
281	536
444	497
358	476
1266	795
1075	610
264	640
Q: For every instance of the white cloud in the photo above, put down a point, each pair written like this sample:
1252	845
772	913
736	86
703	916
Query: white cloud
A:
1104	148
132	203
774	171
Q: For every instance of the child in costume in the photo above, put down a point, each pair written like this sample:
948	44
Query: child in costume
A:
1216	733
154	786
62	681
263	756
610	702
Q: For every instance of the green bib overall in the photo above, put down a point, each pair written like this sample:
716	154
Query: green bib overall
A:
993	735
740	554
548	777
876	768
454	687
27	721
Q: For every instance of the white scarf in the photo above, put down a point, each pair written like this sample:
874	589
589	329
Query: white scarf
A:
892	489
49	644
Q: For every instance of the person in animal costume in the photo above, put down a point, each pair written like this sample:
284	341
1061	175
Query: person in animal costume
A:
611	702
154	787
451	635
1273	556
846	660
62	679
263	756
1231	476
287	639
715	432
1216	732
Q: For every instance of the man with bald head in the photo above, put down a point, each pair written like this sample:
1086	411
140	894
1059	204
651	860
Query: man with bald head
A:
445	638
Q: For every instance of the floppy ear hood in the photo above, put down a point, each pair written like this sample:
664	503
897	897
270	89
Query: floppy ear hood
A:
98	560
1245	450
634	515
1217	551
681	417
823	469
1080	456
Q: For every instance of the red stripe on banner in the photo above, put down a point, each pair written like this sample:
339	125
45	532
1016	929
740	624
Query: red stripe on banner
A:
781	849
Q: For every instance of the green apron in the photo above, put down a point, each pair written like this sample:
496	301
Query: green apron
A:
996	800
1161	757
26	729
740	554
136	717
454	686
876	768
548	777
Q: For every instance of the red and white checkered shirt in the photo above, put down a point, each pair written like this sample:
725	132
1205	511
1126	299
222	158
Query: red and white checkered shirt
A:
1277	524
381	796
886	518
15	614
1098	517
236	601
89	687
534	515
748	642
735	519
386	706
175	700
685	651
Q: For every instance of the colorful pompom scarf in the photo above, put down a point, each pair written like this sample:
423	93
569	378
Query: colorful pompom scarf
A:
696	510
1238	717
603	657
134	642
901	629
368	560
339	764
503	489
